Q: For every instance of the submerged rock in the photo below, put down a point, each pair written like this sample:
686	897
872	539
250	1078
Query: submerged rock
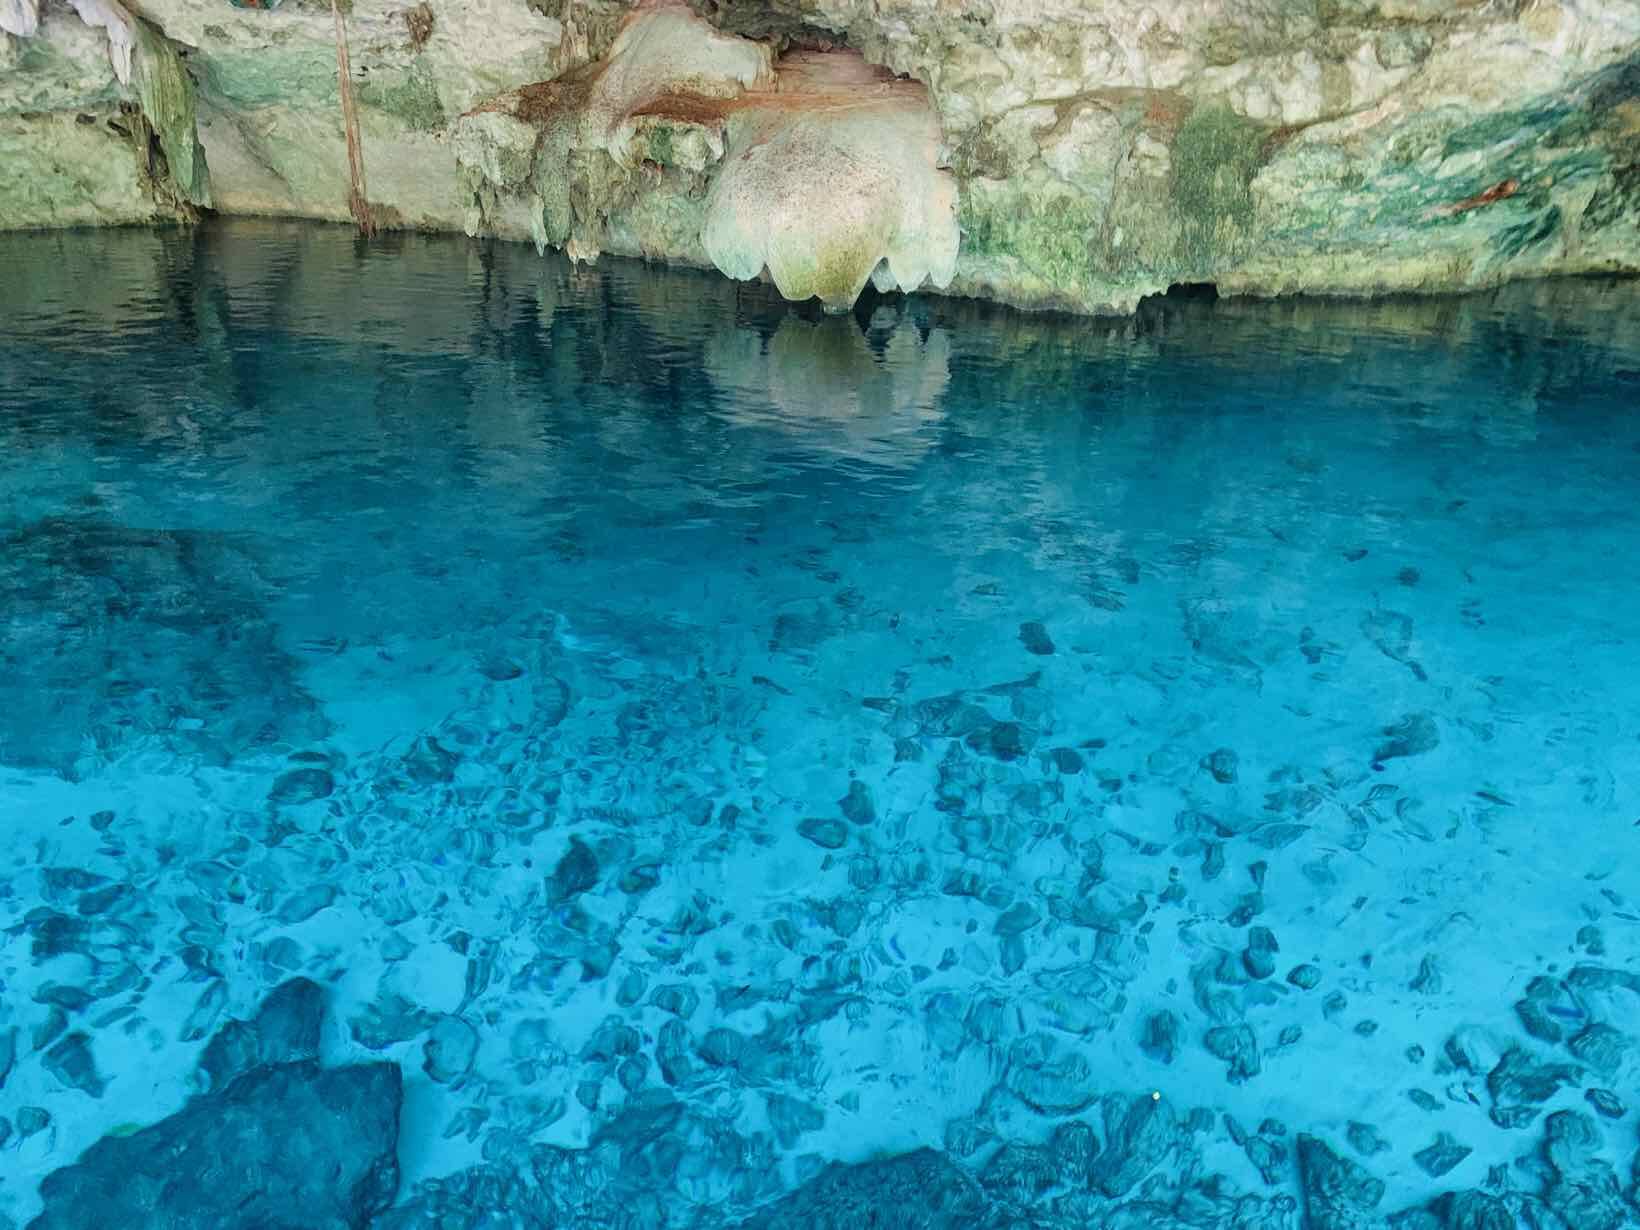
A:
283	1145
1305	977
300	786
285	1030
1034	636
449	1050
1222	763
1519	1080
491	1197
1606	1103
824	832
1049	1080
1583	1188
32	1120
1413	735
70	1061
1138	1134
857	804
1160	1039
1473	1210
1601	1047
1392	633
915	1191
1236	1045
1338	1194
1445	1154
183	611
8	1053
576	872
1019	1173
1258	958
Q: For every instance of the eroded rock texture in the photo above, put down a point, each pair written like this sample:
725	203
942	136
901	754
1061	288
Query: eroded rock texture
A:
687	142
1064	153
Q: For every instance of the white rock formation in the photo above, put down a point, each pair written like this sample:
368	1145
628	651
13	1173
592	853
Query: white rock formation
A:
818	168
665	50
20	17
834	176
110	15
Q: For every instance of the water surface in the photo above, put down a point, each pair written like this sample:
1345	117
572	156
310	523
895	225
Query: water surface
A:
639	702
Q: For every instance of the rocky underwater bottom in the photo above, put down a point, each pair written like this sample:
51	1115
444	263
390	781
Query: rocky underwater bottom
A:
487	743
278	1139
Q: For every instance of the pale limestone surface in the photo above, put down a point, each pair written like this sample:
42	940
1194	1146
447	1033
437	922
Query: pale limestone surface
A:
65	66
112	16
891	212
1093	151
666	50
20	17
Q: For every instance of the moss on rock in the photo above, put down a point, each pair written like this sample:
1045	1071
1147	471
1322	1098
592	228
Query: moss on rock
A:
166	94
660	144
1616	199
1050	235
411	97
296	76
1215	156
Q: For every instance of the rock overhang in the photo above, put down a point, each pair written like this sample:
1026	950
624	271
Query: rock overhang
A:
818	168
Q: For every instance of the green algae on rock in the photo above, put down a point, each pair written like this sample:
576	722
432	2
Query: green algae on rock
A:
1078	156
1215	156
126	86
166	93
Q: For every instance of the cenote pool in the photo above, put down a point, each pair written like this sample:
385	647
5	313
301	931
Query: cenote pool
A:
487	743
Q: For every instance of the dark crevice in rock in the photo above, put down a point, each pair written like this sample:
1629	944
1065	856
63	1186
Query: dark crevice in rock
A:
783	27
1193	292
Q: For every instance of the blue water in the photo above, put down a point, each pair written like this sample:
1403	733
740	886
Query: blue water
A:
701	741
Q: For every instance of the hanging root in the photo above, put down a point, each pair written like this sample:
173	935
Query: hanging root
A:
357	201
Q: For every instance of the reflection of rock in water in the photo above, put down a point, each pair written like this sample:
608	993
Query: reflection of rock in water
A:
110	634
829	387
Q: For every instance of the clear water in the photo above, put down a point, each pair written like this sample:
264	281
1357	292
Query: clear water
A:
932	697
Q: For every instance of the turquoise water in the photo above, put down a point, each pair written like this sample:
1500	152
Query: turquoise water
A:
714	751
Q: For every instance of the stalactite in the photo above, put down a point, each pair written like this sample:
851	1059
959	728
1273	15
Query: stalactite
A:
357	201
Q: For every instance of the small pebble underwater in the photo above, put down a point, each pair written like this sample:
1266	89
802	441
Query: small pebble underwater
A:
487	743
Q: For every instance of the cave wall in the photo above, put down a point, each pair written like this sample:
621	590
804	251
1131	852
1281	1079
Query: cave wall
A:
1085	152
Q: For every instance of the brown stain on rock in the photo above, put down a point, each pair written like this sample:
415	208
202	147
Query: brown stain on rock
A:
1499	191
803	81
419	22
